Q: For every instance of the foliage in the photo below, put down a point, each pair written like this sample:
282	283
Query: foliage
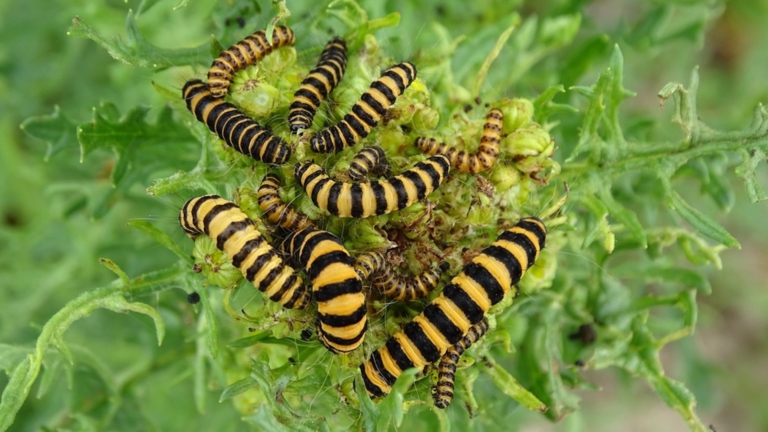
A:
626	260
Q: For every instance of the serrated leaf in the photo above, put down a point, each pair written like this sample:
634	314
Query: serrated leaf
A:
211	324
495	51
543	107
238	388
56	129
136	51
264	419
114	268
698	220
627	217
746	172
665	273
129	131
160	237
249	340
510	387
391	409
49	374
140	147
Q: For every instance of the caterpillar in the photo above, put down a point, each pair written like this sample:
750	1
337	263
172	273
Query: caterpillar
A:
374	265
442	392
485	157
236	236
369	159
367	112
318	84
277	211
463	303
236	129
245	53
336	287
361	200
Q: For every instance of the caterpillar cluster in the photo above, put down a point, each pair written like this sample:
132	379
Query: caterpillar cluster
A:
336	287
367	112
318	84
450	323
247	52
239	131
235	235
473	163
463	303
379	197
373	265
369	160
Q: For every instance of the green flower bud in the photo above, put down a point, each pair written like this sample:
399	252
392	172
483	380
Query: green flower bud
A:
505	177
258	99
541	275
517	113
364	236
214	264
531	140
425	119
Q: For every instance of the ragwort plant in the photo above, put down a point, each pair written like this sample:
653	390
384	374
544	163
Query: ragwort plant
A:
603	294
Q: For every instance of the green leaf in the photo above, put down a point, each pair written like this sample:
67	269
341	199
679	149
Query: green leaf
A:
250	340
665	273
510	387
160	237
544	107
627	217
108	297
391	408
238	388
129	131
136	51
495	51
211	324
698	220
746	171
56	129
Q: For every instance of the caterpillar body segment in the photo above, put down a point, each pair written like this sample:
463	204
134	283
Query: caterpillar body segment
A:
373	265
235	234
318	85
361	200
247	52
238	130
463	303
336	287
275	209
483	159
442	392
370	159
367	112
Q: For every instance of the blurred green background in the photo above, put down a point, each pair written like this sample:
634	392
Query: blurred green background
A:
58	216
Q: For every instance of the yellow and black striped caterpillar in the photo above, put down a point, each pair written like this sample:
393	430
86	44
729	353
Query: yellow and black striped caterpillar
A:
367	112
245	53
336	287
485	157
373	265
235	234
318	84
442	392
463	303
275	210
370	159
238	130
361	200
